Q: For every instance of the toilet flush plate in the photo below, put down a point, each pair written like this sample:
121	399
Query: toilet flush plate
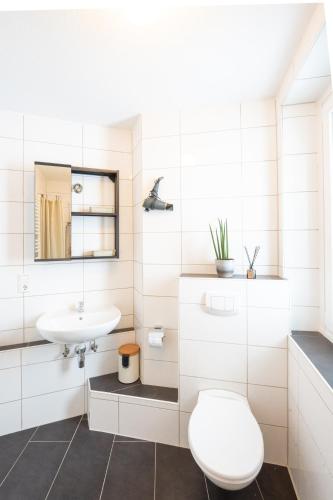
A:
222	304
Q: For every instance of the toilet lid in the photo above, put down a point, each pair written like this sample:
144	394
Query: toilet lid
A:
225	439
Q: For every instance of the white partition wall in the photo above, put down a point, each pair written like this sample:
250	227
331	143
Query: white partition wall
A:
245	352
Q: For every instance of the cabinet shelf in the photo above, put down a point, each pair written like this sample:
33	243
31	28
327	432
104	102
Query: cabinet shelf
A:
94	214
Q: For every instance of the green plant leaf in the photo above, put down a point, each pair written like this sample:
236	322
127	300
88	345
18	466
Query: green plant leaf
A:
213	240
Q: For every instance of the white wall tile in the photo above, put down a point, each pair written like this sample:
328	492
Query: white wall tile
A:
157	221
268	293
300	135
11	124
305	318
9	281
260	213
10	384
169	187
305	109
10	417
213	360
111	138
267	366
162	248
161	280
10	359
160	124
193	291
53	153
259	178
183	429
51	279
198	214
301	249
161	373
122	298
11	154
48	408
299	173
11	217
275	444
114	160
11	313
11	249
190	387
101	363
269	404
160	311
197	248
161	152
211	181
210	119
11	185
11	337
258	113
304	286
153	424
211	148
268	242
103	415
197	324
300	211
169	350
268	327
61	374
40	128
259	144
108	275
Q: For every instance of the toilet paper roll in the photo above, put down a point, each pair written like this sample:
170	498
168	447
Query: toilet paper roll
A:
155	338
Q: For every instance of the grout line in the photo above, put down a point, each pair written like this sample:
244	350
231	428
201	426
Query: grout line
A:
51	441
107	467
17	459
63	458
206	486
262	496
155	464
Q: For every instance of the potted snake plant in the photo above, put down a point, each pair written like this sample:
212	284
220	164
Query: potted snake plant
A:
224	264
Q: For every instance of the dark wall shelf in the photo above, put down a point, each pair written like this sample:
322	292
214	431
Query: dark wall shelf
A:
94	214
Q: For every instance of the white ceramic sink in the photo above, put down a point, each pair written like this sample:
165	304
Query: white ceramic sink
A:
73	327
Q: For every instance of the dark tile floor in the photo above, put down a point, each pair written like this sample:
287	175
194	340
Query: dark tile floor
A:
66	461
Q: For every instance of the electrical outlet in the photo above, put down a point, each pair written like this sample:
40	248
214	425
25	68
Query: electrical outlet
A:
23	283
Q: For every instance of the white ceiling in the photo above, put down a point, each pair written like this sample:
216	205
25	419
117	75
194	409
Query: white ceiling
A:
106	66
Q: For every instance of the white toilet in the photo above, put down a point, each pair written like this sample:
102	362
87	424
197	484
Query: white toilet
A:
225	439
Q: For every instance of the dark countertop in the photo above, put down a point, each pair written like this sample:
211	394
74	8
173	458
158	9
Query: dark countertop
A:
319	350
110	383
234	277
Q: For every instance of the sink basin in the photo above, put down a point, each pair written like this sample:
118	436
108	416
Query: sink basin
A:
73	327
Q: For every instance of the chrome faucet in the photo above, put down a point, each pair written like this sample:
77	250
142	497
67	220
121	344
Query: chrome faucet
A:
80	307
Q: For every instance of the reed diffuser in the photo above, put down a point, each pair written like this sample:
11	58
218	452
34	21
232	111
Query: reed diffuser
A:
251	272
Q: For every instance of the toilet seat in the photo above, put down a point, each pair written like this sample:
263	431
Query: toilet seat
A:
225	439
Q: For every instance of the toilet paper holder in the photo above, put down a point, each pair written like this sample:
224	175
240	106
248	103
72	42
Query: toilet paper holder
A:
156	336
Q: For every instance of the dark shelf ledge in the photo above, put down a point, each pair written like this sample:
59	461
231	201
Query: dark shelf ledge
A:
110	383
45	342
234	277
319	350
94	214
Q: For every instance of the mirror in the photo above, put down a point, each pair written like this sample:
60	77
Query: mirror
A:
53	209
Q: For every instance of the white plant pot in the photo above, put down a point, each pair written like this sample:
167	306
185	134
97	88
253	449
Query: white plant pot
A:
225	268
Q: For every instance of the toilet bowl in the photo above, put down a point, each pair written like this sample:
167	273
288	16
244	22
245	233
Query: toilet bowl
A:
225	439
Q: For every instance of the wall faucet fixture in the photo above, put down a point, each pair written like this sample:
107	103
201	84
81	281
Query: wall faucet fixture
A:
153	202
